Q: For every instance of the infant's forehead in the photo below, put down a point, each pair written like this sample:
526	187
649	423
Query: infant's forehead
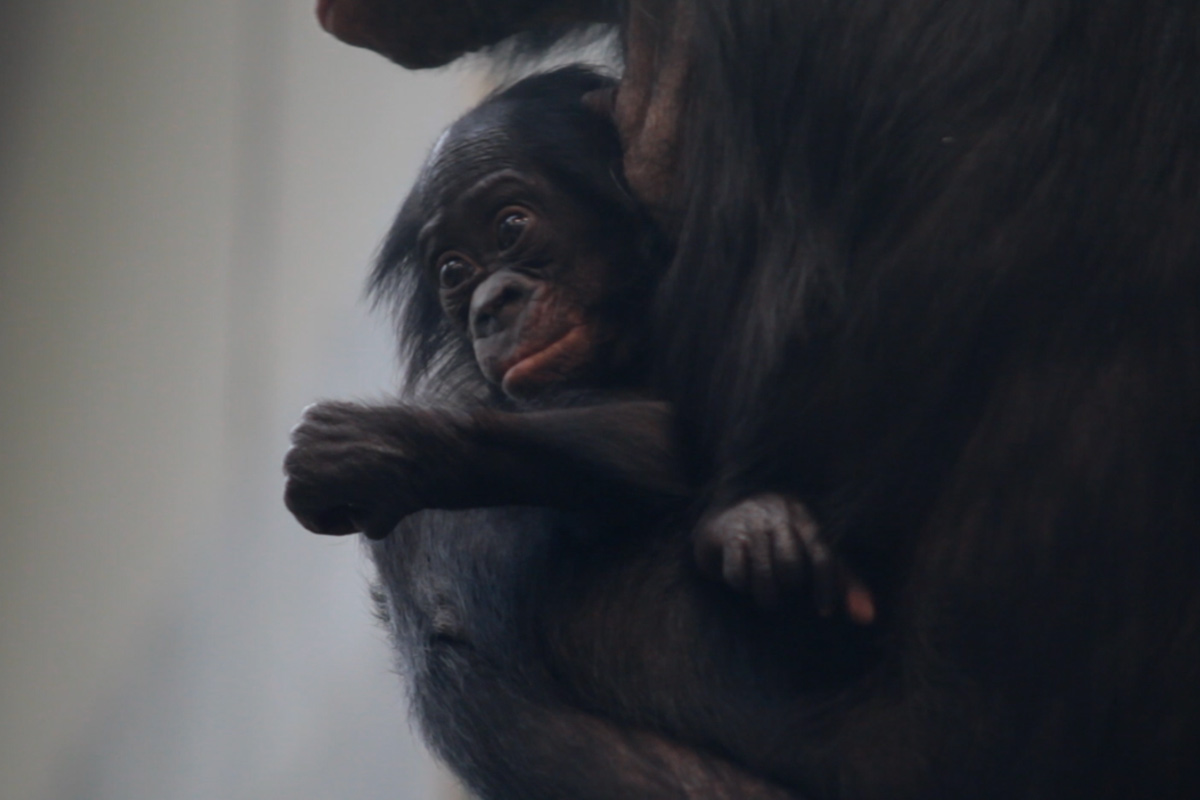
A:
460	162
468	151
469	138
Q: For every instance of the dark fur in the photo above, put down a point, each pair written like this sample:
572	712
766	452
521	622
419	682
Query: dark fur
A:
488	607
964	323
938	273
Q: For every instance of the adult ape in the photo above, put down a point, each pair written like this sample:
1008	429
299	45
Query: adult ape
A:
936	271
522	268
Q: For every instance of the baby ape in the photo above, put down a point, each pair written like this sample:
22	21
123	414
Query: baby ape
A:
521	270
520	257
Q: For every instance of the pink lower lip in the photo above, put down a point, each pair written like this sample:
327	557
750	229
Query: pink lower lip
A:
525	364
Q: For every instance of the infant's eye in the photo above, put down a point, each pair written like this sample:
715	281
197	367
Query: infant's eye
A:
509	228
455	271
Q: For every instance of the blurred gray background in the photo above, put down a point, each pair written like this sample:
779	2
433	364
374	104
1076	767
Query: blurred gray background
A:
190	195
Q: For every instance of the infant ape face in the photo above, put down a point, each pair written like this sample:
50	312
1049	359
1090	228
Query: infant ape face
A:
534	247
521	271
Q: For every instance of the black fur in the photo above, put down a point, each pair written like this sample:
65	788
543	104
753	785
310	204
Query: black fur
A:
945	284
938	273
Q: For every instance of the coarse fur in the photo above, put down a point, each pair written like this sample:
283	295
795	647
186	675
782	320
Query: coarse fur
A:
937	272
944	282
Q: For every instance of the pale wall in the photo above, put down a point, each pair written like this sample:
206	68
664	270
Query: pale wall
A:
189	198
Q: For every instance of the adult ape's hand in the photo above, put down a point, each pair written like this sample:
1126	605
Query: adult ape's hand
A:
419	34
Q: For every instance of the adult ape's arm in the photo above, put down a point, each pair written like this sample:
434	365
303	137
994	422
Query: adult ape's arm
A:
356	467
